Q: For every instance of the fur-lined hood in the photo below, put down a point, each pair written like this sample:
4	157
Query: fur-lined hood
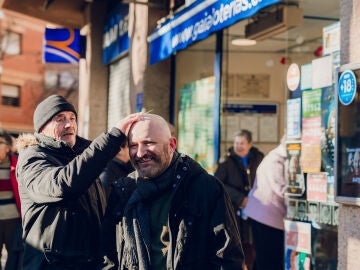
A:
25	140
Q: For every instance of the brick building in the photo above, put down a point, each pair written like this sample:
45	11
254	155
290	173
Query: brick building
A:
25	80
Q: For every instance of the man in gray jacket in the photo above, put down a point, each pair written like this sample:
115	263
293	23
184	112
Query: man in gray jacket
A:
62	200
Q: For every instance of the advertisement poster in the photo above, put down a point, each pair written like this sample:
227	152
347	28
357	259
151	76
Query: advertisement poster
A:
311	116
311	131
322	71
311	158
326	213
301	210
330	188
291	208
311	128
297	245
328	125
293	119
196	125
306	76
316	188
351	172
331	38
298	236
295	260
313	212
294	176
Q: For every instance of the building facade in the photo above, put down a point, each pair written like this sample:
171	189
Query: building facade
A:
247	83
22	70
25	79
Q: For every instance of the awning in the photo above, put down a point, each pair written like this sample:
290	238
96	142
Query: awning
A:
197	22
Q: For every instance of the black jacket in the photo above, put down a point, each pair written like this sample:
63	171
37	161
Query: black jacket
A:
62	199
114	170
202	227
237	178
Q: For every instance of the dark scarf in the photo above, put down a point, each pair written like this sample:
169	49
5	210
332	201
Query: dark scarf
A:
136	220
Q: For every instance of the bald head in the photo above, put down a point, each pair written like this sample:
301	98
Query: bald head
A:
154	124
151	145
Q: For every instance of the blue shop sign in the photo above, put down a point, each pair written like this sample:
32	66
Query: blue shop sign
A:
116	39
197	22
250	108
62	45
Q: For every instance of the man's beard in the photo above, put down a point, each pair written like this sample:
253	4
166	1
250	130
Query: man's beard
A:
159	164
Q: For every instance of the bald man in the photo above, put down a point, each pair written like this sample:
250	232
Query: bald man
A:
170	213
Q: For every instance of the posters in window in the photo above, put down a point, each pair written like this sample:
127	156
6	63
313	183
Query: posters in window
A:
293	119
294	176
297	245
196	126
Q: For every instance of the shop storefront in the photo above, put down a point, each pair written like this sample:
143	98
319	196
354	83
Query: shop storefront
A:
220	88
116	44
197	34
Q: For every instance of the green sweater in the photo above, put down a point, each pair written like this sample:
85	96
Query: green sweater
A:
160	240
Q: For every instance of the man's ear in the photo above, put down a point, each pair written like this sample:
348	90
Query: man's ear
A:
173	143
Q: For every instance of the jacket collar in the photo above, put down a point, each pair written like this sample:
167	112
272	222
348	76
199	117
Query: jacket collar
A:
59	145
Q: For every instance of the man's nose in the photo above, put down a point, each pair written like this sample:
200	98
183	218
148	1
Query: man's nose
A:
68	123
141	150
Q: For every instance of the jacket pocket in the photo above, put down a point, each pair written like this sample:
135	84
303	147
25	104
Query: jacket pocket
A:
68	237
186	236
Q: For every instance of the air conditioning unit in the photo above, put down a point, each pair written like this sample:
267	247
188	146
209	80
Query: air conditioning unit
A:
274	22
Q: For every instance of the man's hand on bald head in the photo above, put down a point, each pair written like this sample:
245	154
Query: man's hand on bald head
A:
125	123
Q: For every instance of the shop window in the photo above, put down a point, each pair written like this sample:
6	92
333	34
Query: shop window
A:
10	95
11	43
177	5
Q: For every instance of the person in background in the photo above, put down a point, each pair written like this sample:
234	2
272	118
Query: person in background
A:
62	198
266	210
10	222
170	214
117	168
237	171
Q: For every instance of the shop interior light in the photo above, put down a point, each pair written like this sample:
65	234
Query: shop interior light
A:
243	42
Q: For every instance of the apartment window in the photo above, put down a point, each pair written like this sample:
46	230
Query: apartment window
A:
10	95
11	43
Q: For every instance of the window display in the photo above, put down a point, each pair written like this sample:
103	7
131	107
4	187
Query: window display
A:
348	139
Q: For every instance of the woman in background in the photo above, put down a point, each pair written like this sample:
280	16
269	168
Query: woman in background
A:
10	222
266	210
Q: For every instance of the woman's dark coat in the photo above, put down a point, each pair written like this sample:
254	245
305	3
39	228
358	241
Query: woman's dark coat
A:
237	178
